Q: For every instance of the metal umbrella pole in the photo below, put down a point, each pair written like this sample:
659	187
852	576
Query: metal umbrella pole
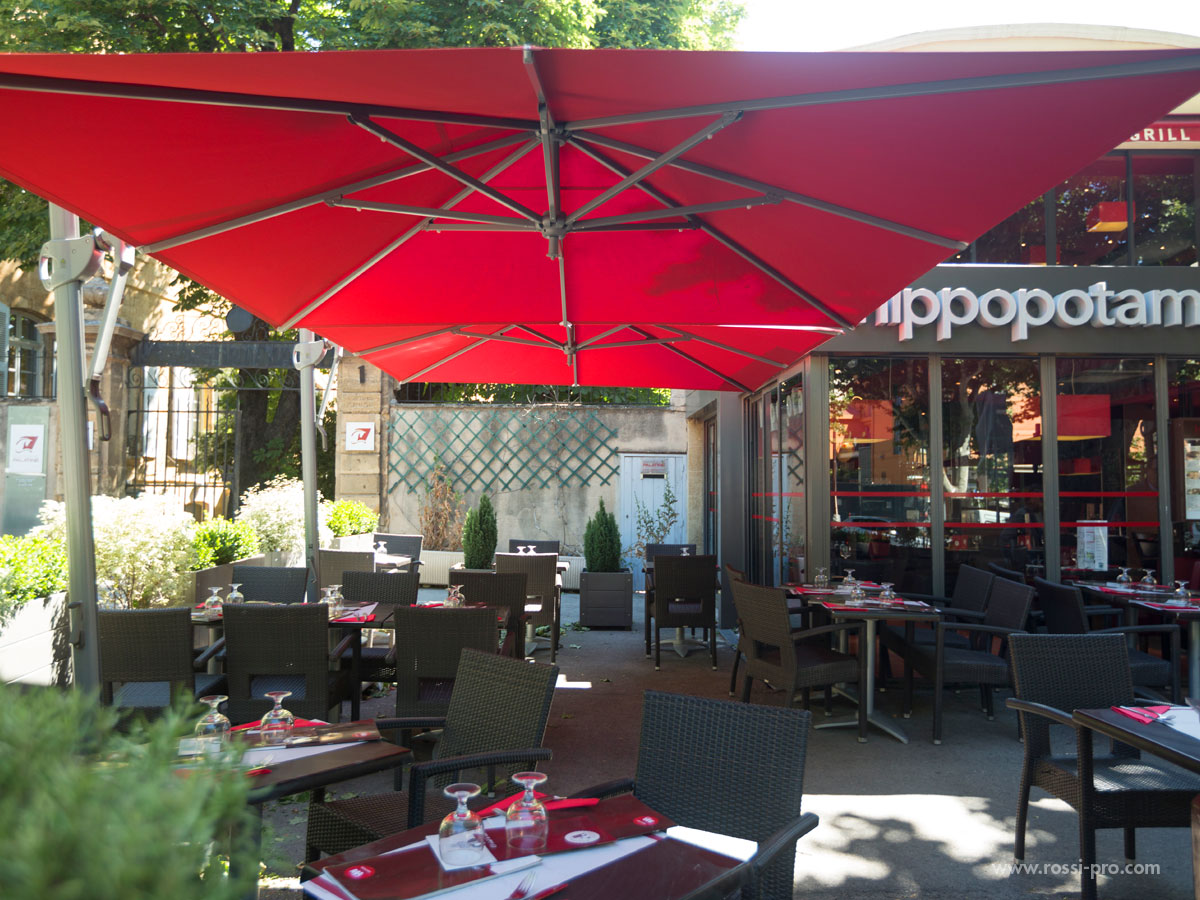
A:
305	356
66	261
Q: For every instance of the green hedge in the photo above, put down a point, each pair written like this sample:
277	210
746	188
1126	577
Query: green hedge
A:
216	542
347	517
31	566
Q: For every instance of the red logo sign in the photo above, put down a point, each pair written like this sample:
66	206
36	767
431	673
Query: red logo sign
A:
358	873
27	443
360	434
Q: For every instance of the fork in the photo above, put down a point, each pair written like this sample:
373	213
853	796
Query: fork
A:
522	890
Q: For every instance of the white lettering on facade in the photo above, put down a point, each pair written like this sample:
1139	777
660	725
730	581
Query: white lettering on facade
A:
1163	135
1028	308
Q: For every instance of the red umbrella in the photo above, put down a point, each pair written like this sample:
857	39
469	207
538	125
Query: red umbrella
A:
557	216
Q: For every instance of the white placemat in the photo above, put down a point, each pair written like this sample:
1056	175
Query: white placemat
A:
1183	719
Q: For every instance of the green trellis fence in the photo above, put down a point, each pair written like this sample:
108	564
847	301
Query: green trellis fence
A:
507	448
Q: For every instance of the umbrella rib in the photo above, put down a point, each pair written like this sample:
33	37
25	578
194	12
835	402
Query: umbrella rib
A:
898	91
504	338
718	235
694	209
313	199
406	236
703	365
444	167
445	359
793	196
392	345
47	84
766	360
507	222
550	148
655	164
601	336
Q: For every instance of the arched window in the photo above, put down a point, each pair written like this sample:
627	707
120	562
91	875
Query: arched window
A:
29	357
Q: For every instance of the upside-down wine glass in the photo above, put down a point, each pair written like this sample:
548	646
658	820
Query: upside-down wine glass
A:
848	578
276	724
1149	579
235	596
339	602
887	593
845	550
822	578
1124	577
683	551
526	825
1181	590
213	727
212	604
460	836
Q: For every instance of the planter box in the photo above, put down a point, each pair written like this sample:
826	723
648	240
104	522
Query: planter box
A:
35	644
606	599
360	542
570	578
435	566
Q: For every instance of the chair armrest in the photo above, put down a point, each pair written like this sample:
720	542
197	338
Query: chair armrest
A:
607	789
931	599
201	661
418	773
1102	609
781	841
1137	629
394	723
825	629
343	645
973	614
1041	709
980	629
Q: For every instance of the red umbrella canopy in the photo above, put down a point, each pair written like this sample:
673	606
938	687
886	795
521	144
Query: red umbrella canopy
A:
569	216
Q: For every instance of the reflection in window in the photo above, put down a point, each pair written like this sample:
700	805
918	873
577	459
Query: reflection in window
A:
1183	387
879	470
1108	467
792	534
992	478
1164	191
28	357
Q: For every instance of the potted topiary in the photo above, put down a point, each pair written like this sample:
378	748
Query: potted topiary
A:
479	536
605	589
352	523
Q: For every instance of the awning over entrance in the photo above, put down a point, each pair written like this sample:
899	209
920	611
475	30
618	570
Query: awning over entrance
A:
559	216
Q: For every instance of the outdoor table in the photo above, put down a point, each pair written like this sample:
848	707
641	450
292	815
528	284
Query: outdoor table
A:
871	612
312	769
1181	612
355	622
1158	740
393	562
665	866
215	625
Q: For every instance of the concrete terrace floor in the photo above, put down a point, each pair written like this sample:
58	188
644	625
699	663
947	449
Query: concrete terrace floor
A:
897	820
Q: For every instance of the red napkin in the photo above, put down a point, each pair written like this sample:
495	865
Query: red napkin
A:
370	618
299	723
425	605
571	804
502	805
1143	714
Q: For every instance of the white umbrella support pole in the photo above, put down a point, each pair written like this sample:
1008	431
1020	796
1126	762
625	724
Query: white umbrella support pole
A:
305	357
68	259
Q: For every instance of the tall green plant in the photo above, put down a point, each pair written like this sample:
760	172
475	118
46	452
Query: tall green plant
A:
479	535
216	542
602	542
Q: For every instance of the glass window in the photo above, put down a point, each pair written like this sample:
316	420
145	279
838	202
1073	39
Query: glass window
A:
1091	217
1019	239
1107	467
792	534
992	452
879	470
28	357
1164	190
1183	378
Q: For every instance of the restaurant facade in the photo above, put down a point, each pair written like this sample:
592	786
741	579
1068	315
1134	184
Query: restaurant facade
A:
1045	418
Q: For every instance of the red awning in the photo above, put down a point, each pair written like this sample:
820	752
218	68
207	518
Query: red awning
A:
374	196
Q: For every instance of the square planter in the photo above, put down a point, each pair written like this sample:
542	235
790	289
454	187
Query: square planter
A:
34	643
606	599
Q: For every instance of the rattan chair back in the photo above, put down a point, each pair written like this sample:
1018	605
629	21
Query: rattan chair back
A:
744	771
972	589
656	550
539	546
1009	604
687	580
541	581
428	645
1011	574
334	564
145	646
401	544
271	584
1062	605
278	648
505	592
388	589
766	633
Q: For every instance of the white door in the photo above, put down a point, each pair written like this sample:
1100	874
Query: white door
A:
644	481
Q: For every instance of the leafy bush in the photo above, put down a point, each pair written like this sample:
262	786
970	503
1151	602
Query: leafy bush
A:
31	566
442	513
653	526
347	517
218	541
276	511
88	812
143	546
479	535
602	542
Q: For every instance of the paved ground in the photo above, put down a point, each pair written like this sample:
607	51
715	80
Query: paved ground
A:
897	820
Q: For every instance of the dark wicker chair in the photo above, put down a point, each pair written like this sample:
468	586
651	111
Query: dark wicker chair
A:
281	648
542	586
733	575
426	655
793	660
272	584
1010	574
496	721
504	592
402	545
1055	674
967	603
1156	677
538	546
146	659
334	564
733	751
1006	614
388	590
685	596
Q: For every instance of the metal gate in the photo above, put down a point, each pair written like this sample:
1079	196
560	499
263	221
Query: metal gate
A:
181	433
